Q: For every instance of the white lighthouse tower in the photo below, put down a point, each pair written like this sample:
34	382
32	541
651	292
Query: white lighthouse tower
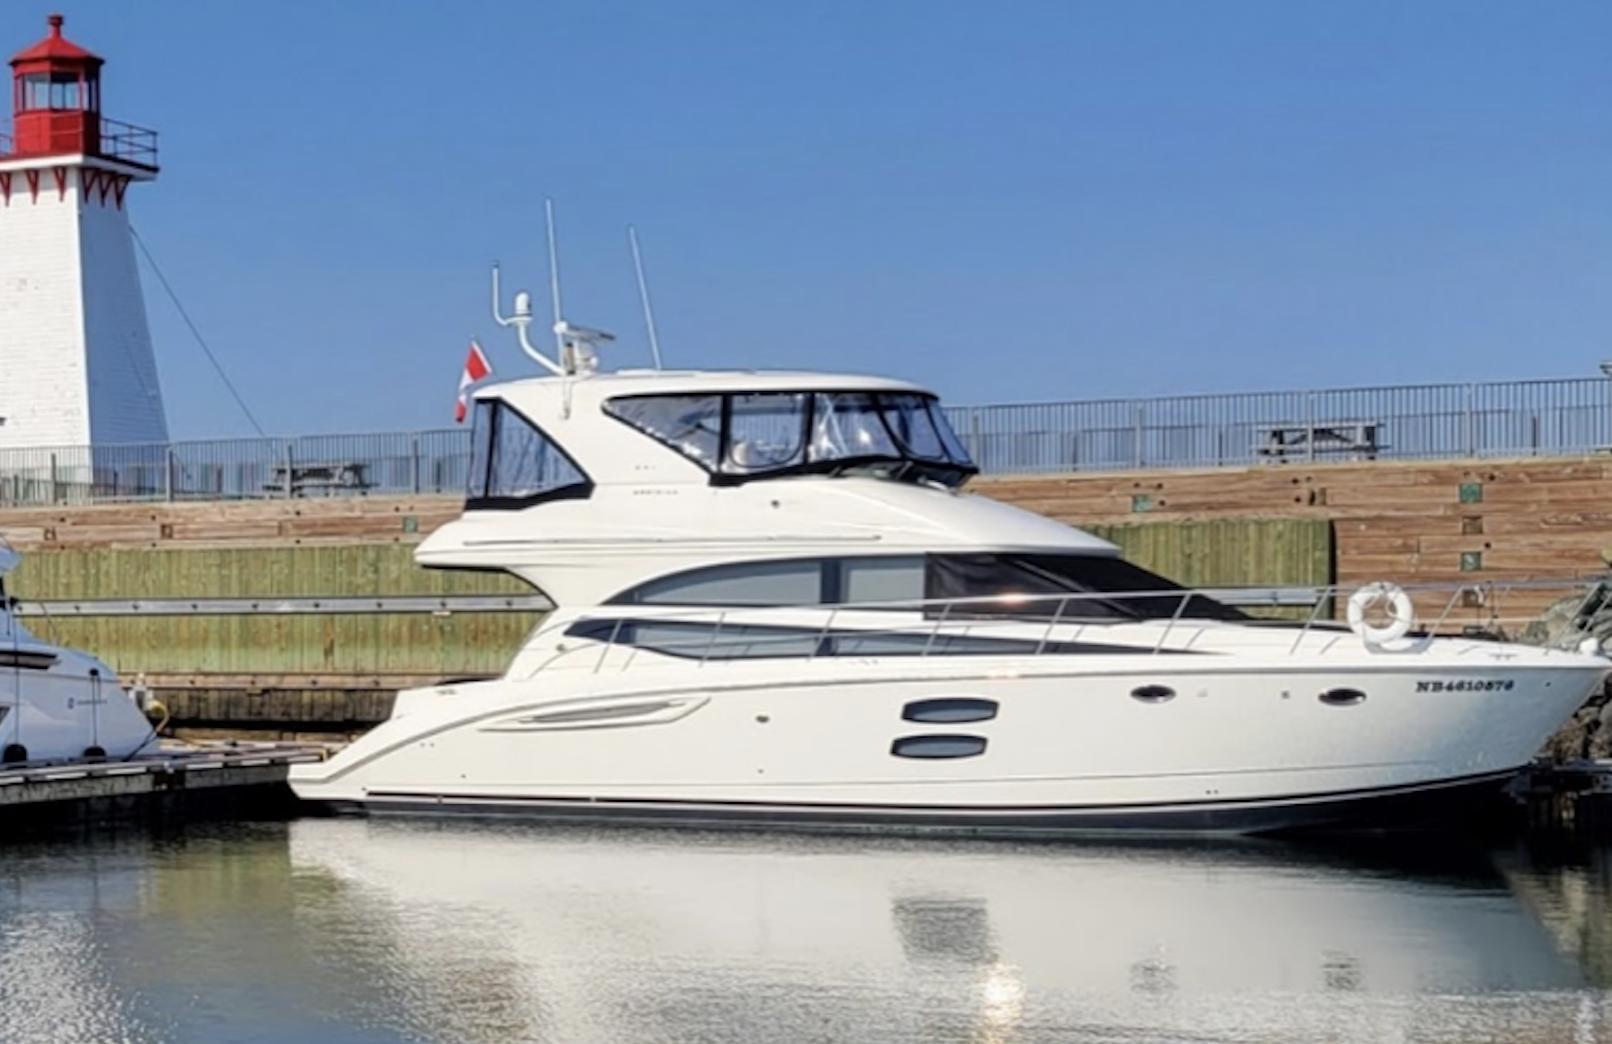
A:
76	366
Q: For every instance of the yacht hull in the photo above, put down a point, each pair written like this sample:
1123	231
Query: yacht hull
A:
1050	752
1444	803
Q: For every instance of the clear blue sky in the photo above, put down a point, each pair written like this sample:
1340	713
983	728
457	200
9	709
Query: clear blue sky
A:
1010	201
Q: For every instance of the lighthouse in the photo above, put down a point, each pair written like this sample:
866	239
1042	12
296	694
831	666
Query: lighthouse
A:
76	365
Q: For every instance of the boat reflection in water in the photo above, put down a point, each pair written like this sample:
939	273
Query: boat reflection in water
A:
360	931
650	936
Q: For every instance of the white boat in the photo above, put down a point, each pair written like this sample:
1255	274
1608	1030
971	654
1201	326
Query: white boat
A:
59	704
776	604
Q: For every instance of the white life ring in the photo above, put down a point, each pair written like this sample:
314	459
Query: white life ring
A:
1402	613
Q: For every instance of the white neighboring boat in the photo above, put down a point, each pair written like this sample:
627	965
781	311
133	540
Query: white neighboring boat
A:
775	605
59	704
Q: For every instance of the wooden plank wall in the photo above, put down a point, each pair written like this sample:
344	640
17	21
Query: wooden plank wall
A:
379	645
1408	522
1228	552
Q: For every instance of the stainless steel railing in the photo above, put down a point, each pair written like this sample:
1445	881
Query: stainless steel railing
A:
937	626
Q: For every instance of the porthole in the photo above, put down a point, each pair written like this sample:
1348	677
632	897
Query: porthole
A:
1342	697
949	710
938	746
1152	693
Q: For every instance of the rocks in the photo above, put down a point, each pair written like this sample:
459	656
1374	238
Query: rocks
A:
1588	734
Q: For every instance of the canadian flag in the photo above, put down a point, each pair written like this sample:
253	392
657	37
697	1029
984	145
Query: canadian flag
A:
476	368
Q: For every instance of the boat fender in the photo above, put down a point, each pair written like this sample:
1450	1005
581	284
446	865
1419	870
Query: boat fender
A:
1401	613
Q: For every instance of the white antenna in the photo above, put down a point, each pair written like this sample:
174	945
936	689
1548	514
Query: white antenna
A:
643	295
554	278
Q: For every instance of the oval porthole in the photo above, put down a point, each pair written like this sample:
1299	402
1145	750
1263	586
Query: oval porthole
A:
938	746
1152	693
1342	697
951	710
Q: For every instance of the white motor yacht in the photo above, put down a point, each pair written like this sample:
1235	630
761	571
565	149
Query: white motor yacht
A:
59	704
775	603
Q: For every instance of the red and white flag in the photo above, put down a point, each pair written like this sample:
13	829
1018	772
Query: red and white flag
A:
476	368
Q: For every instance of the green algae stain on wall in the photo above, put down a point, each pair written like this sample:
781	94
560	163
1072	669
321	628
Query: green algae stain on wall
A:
396	643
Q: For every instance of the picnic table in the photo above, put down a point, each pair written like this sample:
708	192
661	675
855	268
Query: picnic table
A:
327	478
1350	437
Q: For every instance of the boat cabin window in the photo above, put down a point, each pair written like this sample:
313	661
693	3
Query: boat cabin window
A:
688	639
513	464
1030	585
742	436
798	581
1004	584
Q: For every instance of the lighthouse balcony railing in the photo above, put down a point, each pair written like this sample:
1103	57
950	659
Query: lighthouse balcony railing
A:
128	143
112	139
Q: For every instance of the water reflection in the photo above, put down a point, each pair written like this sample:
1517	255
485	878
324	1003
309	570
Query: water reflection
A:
354	931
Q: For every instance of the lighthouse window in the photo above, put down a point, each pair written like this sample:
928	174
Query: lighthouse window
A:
36	91
47	91
513	464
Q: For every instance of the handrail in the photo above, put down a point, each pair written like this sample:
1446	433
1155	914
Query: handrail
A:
935	618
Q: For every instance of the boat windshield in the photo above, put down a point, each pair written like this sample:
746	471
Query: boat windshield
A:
742	436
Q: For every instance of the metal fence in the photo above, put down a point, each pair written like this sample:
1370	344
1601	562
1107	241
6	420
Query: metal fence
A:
1566	417
234	469
1498	419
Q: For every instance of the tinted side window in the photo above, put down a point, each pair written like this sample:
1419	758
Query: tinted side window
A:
1028	585
893	578
796	582
805	581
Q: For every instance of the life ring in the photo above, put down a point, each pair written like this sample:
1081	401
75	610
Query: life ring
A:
1401	612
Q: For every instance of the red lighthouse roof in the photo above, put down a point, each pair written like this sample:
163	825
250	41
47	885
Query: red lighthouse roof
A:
56	50
56	109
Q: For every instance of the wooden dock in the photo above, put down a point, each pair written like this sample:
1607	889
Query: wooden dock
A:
235	780
1574	796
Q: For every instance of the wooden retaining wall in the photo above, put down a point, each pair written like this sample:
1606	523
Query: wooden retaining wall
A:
1408	522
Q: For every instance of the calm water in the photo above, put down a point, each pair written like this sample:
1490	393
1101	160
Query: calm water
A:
352	931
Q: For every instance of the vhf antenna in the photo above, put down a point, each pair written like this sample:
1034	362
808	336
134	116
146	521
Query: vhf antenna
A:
554	279
643	295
